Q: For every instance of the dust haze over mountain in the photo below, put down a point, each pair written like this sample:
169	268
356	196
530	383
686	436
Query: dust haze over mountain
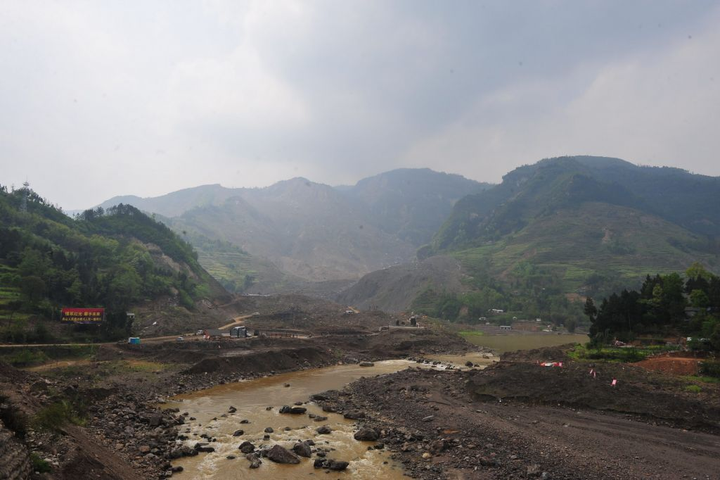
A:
310	232
117	98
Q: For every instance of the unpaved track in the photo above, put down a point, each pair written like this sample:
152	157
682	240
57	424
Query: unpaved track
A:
187	336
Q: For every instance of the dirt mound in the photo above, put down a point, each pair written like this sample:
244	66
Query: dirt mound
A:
547	354
671	365
412	341
637	392
262	362
10	374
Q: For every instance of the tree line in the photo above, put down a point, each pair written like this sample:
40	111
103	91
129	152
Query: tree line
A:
664	305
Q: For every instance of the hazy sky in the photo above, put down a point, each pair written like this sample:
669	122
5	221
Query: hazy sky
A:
100	98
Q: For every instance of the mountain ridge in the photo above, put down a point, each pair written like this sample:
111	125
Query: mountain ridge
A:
314	231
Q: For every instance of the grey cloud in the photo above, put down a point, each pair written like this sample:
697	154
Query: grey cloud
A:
146	98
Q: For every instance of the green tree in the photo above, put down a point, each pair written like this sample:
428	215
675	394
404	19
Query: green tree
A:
696	271
33	263
590	309
571	325
699	299
33	290
125	287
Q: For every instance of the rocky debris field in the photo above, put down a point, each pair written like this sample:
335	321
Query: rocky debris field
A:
439	427
121	431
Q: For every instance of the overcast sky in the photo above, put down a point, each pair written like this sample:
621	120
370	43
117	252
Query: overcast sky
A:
102	98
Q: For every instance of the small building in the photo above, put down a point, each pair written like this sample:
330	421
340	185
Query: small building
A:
239	332
505	327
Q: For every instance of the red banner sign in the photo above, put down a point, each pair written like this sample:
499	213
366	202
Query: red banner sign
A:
83	316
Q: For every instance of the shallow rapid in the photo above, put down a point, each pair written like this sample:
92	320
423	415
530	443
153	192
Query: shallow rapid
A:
211	412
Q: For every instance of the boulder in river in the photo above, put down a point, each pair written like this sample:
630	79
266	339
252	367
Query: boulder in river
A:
366	364
302	449
366	435
324	430
280	454
237	433
246	447
293	410
203	449
336	465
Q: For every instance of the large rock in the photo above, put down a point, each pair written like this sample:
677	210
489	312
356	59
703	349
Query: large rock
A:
324	430
280	454
293	410
246	447
367	435
354	415
302	449
336	465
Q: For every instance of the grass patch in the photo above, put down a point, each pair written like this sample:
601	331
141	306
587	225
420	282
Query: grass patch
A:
693	388
471	333
53	417
618	354
138	366
702	379
611	354
26	357
38	464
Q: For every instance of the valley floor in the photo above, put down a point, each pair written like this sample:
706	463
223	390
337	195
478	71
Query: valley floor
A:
443	425
514	419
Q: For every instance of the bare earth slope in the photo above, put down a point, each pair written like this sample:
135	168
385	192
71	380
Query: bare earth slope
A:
393	289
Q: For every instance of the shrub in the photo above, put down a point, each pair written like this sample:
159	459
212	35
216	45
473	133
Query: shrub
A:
38	464
53	417
27	357
710	368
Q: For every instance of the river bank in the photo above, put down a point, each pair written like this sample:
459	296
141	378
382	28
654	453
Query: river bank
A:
517	419
120	431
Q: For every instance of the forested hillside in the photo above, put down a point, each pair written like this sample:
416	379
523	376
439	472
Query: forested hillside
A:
115	258
564	228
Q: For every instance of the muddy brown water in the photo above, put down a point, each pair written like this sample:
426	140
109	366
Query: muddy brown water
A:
251	399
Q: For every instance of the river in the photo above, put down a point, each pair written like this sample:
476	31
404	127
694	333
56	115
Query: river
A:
251	399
